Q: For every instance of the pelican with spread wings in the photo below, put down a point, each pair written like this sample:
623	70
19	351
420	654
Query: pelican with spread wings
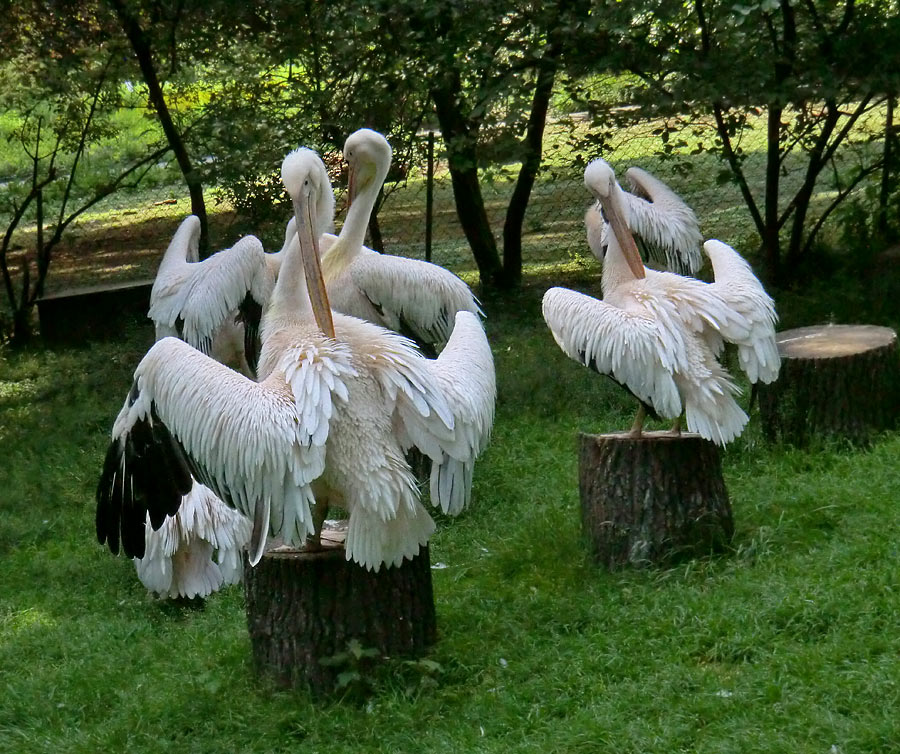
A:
659	334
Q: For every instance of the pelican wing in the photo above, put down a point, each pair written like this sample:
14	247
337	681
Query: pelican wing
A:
635	350
219	287
416	298
668	227
465	372
258	446
665	228
739	288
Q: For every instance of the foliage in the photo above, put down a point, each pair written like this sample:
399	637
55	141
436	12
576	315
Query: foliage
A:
797	79
67	163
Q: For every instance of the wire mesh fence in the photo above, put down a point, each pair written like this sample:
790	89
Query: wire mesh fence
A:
124	238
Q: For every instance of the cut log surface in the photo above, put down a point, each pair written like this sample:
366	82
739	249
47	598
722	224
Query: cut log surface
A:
303	607
652	499
837	381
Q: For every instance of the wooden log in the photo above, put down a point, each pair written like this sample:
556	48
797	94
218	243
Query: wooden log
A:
837	381
94	312
304	607
652	499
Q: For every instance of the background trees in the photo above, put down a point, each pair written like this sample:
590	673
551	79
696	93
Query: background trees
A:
789	82
805	89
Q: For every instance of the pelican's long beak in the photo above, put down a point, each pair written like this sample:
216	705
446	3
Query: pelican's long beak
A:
619	226
352	184
304	211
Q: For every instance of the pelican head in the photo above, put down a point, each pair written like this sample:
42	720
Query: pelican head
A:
306	181
305	165
600	180
368	154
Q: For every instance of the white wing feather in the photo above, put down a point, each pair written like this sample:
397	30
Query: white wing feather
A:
413	295
633	349
178	558
253	441
465	372
213	290
738	287
668	228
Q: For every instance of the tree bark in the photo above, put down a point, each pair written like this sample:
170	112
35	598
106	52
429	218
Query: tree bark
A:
141	46
304	607
838	381
531	163
462	160
653	499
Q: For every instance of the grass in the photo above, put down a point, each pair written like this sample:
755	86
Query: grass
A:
788	642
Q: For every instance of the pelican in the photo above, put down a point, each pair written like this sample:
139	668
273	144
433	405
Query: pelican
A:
416	298
338	403
664	227
659	334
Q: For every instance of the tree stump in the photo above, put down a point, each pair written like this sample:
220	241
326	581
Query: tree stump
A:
304	607
652	499
835	381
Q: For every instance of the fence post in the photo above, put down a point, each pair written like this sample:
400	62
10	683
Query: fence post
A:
429	196
886	168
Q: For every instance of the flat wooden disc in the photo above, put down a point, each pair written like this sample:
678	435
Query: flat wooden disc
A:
825	341
655	435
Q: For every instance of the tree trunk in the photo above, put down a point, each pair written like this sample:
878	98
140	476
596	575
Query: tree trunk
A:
652	499
462	160
531	163
839	381
771	238
305	607
141	46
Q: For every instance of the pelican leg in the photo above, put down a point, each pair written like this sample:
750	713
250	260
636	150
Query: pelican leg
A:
638	425
676	427
314	541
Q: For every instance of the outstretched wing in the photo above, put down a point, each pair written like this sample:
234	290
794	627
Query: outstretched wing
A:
633	349
417	298
175	270
668	228
739	288
258	446
465	372
219	287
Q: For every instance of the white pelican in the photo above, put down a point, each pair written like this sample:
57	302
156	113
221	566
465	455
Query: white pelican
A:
659	334
664	227
416	298
338	403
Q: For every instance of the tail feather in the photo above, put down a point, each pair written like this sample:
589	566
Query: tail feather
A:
372	542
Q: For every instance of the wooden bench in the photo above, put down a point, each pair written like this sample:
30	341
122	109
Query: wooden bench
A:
93	312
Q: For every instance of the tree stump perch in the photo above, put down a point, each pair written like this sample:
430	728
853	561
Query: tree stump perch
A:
652	499
303	607
836	381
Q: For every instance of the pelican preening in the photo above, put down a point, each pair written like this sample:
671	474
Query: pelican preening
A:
659	334
416	298
664	227
339	402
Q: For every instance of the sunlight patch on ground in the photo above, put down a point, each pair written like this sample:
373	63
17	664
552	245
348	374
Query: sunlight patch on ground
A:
16	623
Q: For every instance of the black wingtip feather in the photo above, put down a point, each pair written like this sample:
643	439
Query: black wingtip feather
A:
147	472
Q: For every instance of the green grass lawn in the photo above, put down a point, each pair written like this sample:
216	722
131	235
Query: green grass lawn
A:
790	642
